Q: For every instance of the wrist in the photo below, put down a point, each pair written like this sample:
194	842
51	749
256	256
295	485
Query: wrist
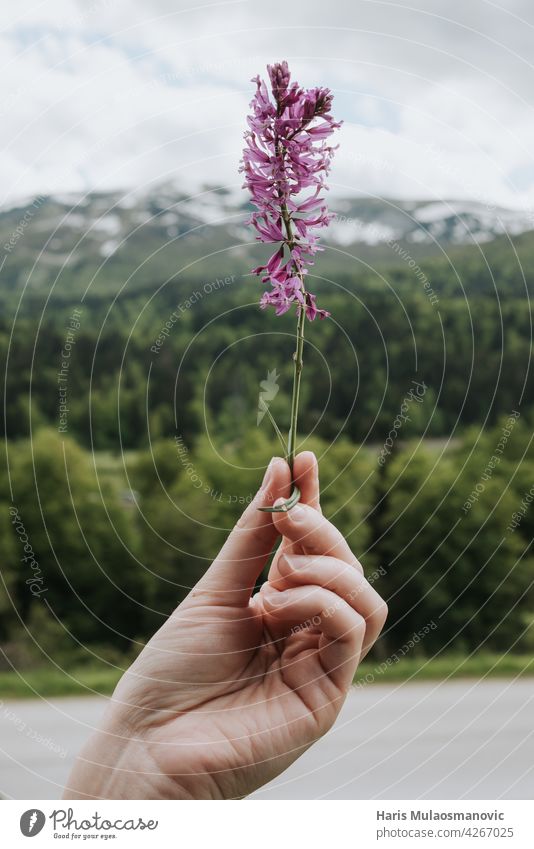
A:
117	764
123	762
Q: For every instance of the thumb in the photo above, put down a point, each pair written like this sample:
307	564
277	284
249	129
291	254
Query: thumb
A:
231	577
306	476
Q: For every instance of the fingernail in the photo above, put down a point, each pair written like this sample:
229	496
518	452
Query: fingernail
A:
275	599
297	514
292	562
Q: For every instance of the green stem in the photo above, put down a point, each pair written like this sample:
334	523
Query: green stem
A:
297	373
277	430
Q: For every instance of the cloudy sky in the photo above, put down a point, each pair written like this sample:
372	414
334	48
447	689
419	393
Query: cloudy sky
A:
437	95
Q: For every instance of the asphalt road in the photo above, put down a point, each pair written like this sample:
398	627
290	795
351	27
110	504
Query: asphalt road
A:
463	739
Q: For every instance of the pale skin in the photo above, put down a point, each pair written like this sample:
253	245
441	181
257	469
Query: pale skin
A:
234	686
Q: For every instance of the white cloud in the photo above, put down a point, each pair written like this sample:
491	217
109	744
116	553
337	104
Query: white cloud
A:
437	101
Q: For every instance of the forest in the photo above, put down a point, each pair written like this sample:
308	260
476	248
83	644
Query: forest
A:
132	444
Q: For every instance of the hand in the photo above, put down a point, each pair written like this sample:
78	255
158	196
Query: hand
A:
233	688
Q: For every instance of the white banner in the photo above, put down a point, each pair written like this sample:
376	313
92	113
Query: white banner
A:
264	825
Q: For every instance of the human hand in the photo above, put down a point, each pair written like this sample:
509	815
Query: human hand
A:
234	687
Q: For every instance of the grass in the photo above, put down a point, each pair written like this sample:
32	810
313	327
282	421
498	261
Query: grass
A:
442	667
88	681
48	682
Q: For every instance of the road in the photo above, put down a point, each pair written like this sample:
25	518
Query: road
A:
461	739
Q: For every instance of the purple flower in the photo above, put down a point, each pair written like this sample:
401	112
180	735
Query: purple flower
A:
285	155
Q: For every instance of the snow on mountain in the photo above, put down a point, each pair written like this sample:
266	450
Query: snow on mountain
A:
155	232
367	221
375	222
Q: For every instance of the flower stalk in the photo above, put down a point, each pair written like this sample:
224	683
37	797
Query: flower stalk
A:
286	154
293	423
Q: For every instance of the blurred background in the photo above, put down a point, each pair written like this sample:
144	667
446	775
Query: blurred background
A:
134	354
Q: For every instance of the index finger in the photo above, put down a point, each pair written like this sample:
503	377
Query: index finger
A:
232	575
310	530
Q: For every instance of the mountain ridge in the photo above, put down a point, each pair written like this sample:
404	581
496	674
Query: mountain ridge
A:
73	240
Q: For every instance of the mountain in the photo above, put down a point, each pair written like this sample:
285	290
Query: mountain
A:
446	223
103	241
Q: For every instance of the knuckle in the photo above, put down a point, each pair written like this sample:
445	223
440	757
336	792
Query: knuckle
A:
347	571
382	611
359	626
357	565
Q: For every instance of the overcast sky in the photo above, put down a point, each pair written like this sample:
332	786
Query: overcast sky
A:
436	95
